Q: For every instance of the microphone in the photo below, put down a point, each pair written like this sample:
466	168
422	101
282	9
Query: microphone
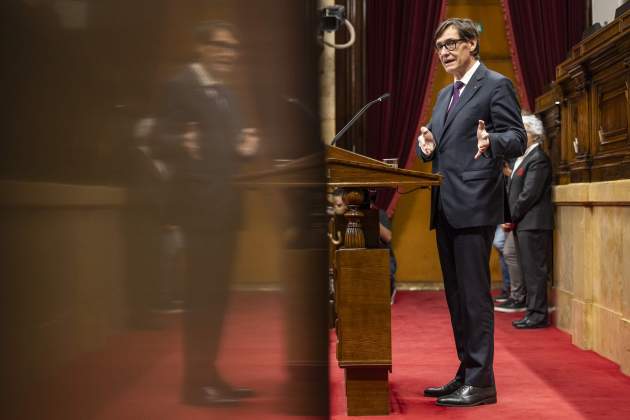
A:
303	107
358	114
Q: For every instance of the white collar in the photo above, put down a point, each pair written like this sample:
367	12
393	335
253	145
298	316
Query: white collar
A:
530	148
522	158
205	79
469	74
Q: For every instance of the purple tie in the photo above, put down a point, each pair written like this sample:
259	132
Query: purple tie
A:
456	88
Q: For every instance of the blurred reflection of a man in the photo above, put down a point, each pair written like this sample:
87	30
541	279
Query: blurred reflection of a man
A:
203	140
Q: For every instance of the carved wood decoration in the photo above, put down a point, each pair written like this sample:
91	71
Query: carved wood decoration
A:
354	237
548	108
590	98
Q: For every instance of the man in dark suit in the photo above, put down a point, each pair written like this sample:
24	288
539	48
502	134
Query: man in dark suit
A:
531	210
475	125
203	140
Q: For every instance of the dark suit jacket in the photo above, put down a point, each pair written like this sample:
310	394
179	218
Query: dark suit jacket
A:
472	191
202	194
529	193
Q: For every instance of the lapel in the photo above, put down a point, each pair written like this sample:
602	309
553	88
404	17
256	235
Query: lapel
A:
440	110
475	83
208	86
523	164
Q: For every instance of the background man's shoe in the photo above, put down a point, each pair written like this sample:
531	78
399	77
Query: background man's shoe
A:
469	396
502	297
240	392
439	391
527	324
209	396
510	306
518	321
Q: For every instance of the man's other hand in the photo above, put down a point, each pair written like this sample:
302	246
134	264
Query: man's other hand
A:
249	142
426	141
483	139
190	140
506	169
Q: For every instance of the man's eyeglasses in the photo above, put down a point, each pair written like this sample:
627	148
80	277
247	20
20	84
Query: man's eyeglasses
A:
450	44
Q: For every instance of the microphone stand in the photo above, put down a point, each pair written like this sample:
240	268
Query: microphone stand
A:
357	115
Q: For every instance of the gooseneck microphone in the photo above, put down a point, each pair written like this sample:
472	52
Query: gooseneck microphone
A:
358	114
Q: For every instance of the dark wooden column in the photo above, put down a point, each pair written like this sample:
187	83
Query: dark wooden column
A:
548	109
350	77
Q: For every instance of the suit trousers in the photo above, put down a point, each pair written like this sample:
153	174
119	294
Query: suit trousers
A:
465	261
208	267
534	251
517	287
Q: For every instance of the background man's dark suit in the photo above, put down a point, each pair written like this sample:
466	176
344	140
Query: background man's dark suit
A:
529	192
468	205
206	206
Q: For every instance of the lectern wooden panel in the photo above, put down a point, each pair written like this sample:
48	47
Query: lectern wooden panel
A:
362	305
364	328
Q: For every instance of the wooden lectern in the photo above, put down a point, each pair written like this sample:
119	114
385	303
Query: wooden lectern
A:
361	270
362	290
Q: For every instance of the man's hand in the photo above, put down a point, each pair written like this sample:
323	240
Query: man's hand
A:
190	140
506	169
483	139
426	141
249	142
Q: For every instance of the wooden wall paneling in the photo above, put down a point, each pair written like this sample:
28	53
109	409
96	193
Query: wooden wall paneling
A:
579	139
609	136
595	84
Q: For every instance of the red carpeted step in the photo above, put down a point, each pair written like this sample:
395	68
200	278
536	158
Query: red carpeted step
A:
539	373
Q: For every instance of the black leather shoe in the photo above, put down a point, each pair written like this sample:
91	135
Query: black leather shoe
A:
519	321
240	392
209	396
469	396
527	324
440	391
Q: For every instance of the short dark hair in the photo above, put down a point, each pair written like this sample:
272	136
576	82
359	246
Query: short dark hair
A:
204	31
465	27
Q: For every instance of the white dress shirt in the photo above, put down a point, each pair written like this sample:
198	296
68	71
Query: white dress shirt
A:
467	76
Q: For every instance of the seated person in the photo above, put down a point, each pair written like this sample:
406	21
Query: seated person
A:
385	239
385	234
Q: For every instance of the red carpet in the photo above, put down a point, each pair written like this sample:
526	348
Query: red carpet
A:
137	375
539	374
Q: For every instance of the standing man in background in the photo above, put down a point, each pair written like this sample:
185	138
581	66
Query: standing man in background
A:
475	125
531	210
204	141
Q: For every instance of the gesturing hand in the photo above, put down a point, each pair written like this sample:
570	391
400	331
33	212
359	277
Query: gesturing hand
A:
506	169
249	142
190	140
483	139
426	141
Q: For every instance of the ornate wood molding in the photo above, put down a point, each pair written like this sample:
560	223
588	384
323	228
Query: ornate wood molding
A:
579	79
593	141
